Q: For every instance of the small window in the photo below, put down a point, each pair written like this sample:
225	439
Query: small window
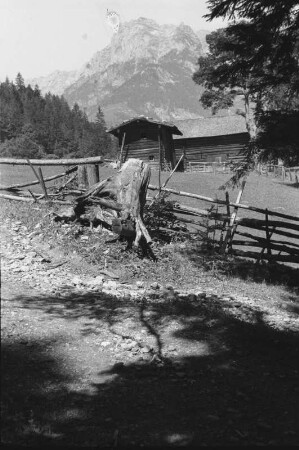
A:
151	158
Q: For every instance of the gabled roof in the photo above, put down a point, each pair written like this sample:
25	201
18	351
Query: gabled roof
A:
212	126
115	130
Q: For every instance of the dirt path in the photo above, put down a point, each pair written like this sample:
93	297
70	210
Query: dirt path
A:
92	361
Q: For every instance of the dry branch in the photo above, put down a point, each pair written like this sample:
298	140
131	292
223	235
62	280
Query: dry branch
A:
29	199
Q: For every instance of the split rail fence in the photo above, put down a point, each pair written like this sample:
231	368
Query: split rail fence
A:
269	235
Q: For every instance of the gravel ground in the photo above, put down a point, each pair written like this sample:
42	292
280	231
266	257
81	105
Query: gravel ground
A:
92	360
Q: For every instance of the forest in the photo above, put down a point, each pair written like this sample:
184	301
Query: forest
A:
37	126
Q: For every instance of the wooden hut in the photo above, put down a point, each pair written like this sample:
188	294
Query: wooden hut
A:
213	139
147	139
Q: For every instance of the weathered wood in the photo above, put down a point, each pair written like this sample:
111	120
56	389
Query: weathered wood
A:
261	224
226	219
82	177
67	182
227	243
131	186
54	162
101	187
33	183
92	171
258	238
268	236
160	160
273	246
274	231
35	199
125	194
222	202
16	197
254	255
122	149
166	181
29	199
34	171
40	174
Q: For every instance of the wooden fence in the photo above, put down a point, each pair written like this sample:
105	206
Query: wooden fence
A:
269	235
264	236
285	173
208	167
86	170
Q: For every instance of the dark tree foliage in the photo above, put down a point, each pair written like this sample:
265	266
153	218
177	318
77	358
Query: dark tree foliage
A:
274	26
256	56
35	126
279	136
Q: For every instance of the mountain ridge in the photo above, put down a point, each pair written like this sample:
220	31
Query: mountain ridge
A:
145	70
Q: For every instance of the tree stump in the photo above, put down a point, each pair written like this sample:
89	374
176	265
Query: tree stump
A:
123	197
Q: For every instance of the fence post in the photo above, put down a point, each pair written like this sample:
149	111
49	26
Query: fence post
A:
122	149
268	237
225	220
40	173
232	226
283	173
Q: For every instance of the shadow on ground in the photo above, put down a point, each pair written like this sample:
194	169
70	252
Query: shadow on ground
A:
242	390
248	270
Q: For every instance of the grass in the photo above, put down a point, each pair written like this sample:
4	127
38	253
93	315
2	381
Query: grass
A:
178	263
260	191
263	192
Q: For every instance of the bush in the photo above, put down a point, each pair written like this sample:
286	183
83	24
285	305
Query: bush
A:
21	147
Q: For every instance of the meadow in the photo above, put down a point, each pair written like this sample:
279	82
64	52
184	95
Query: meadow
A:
260	191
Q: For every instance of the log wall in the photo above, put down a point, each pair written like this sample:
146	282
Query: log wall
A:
141	142
211	148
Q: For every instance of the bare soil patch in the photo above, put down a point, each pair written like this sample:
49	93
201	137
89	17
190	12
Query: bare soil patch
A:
101	347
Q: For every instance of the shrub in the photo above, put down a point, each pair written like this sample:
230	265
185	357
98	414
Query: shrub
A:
21	147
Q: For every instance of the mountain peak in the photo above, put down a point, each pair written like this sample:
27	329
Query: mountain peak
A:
146	70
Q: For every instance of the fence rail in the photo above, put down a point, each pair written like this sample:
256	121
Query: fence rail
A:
276	240
53	162
264	234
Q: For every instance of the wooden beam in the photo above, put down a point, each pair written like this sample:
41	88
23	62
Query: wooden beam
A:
29	199
53	162
122	148
222	202
40	174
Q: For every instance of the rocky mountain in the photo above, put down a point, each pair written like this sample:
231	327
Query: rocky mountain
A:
146	70
56	82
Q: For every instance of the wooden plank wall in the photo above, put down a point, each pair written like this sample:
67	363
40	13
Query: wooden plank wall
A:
144	149
207	149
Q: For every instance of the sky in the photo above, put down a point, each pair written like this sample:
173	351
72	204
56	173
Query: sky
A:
38	37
